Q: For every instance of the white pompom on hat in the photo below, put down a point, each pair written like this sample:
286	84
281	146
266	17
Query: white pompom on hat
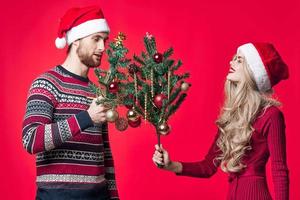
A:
78	23
266	64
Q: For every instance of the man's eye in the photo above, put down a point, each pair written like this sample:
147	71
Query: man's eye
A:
96	39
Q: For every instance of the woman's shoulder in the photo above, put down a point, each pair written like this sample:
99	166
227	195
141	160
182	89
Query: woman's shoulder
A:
269	113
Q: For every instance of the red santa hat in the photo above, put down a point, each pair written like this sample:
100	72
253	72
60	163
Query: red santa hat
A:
78	23
266	65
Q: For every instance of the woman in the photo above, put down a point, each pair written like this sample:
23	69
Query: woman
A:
250	129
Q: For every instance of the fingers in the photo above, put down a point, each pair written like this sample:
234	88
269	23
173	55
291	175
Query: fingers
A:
157	160
157	147
93	99
96	101
100	97
158	156
102	115
160	149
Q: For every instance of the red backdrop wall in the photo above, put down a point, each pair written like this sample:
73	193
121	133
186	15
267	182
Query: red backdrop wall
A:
204	34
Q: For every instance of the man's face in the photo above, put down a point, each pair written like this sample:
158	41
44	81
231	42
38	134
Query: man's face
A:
91	48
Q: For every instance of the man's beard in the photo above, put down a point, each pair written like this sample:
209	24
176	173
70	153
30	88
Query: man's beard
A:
86	59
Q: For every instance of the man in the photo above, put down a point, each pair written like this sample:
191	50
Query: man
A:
64	128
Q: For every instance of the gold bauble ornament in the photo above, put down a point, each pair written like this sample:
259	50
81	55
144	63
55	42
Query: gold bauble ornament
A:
112	115
185	86
163	129
132	115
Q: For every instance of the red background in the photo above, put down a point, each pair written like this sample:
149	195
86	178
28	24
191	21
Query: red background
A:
204	34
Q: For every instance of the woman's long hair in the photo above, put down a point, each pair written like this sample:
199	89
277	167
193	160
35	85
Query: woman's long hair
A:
243	102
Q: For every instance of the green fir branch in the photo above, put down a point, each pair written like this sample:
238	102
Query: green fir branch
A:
174	95
172	109
177	66
138	59
168	53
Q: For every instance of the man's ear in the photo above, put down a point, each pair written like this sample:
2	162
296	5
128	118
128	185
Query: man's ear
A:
76	43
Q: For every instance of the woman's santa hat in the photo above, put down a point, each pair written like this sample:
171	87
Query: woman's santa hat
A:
78	23
266	65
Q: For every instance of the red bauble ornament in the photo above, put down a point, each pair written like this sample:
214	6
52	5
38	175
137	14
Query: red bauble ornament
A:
158	100
113	87
158	57
135	123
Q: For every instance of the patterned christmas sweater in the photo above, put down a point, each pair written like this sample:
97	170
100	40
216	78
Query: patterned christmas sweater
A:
71	151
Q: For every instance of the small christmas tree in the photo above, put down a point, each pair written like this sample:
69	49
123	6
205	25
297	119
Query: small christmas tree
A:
112	83
147	85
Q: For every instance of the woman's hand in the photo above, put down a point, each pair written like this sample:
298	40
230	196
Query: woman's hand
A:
161	158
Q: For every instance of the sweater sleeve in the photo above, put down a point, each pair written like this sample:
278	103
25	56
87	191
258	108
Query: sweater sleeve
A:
109	165
39	132
205	168
277	147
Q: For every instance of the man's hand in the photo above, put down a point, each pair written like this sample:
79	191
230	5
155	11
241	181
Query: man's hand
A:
97	112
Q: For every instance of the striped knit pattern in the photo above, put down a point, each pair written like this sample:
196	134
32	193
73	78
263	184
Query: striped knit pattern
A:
268	140
71	152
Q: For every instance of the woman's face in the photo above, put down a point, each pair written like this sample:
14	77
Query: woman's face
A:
236	71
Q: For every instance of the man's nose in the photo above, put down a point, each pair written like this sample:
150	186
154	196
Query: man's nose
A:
101	46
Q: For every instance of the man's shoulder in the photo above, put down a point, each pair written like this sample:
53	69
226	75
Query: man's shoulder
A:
49	75
46	79
44	86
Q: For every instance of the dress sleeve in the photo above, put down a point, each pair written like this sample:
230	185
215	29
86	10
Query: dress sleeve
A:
277	148
204	168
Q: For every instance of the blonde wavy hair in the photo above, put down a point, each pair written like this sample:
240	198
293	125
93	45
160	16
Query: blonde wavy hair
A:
243	102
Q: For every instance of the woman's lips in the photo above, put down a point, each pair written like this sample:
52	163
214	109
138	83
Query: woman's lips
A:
231	70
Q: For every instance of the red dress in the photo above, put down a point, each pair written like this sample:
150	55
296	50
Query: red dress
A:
268	140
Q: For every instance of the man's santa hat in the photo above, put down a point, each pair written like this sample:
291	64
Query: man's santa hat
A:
78	23
266	65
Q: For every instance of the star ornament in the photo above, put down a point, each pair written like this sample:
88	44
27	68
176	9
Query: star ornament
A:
149	36
120	38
